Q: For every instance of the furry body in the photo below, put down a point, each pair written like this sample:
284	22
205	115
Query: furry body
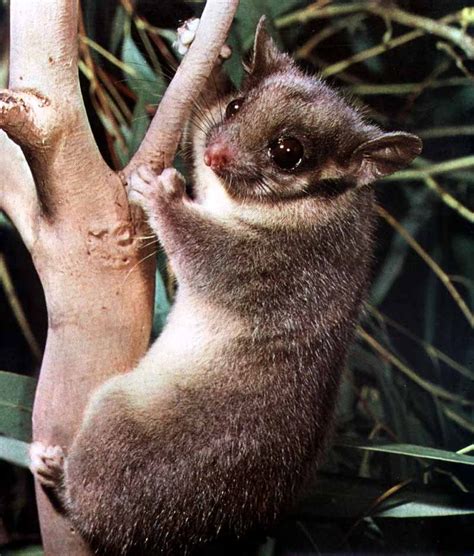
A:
227	413
224	419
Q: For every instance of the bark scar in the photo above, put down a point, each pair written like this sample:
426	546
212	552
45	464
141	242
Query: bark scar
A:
116	247
27	117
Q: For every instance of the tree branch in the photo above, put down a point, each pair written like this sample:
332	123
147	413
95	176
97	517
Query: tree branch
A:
434	266
454	165
17	190
454	35
55	50
314	11
366	89
43	111
380	48
159	145
422	25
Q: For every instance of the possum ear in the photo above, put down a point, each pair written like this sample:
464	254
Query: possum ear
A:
266	58
383	156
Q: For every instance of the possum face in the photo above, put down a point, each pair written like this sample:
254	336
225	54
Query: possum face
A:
280	138
286	135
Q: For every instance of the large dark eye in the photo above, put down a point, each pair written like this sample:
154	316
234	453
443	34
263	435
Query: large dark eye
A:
286	152
233	107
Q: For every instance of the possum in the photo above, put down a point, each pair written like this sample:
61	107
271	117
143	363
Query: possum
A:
218	428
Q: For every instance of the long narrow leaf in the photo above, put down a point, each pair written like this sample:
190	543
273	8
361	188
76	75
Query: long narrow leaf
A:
409	450
14	451
425	509
16	402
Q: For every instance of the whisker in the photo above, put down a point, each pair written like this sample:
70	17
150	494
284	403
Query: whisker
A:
218	96
135	266
150	243
205	112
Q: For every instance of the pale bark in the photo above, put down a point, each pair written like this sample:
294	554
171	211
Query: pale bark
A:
17	190
73	214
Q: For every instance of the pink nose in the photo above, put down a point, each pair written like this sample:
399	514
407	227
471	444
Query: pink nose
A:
218	155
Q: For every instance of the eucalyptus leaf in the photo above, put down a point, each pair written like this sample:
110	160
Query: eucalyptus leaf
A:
168	35
409	450
139	127
425	510
122	151
14	451
144	82
277	9
117	31
246	19
16	403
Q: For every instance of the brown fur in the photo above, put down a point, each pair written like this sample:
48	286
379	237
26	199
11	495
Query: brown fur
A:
216	438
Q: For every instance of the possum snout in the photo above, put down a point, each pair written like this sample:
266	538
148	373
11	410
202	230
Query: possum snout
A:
220	155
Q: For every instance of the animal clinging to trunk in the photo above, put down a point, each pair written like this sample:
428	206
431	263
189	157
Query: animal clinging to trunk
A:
224	419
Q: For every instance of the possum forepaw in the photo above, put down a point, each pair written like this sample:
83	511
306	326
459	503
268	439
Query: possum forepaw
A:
148	189
173	183
47	464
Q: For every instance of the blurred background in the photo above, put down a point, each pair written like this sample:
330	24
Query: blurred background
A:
398	477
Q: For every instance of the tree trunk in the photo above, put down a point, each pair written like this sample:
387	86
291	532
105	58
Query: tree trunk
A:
73	214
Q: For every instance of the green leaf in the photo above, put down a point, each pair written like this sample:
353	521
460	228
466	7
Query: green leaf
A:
14	451
280	8
16	402
145	83
118	26
139	127
169	35
409	450
425	509
243	32
246	19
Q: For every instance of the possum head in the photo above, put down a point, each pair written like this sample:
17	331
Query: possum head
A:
286	134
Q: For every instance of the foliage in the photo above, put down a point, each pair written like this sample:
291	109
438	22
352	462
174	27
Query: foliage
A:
401	460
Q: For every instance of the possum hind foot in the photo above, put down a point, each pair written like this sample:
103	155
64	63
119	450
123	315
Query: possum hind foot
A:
47	464
186	34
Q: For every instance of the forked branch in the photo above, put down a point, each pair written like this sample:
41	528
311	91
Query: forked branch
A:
43	112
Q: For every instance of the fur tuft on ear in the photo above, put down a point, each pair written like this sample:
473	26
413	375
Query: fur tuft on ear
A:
266	58
383	156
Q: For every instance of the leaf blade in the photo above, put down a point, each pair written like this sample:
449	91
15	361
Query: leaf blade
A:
409	450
